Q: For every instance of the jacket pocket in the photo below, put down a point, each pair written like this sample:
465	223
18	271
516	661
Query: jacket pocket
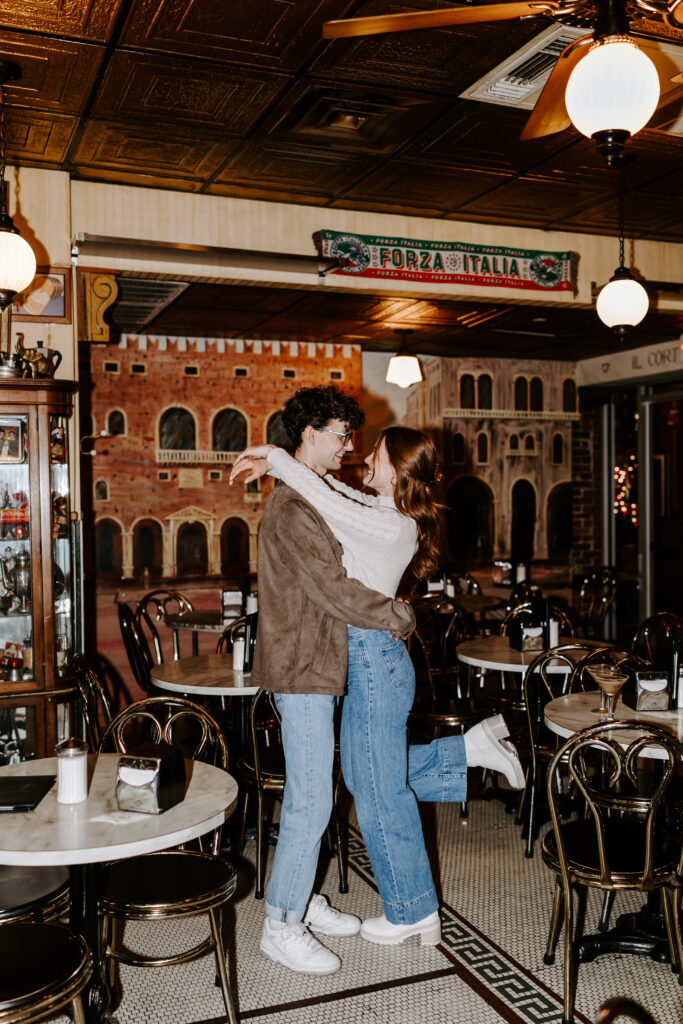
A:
398	663
322	644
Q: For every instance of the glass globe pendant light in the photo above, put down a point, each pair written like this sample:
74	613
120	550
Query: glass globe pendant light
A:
17	259
623	302
614	89
404	368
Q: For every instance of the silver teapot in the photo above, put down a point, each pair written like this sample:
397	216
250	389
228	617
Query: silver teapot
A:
15	572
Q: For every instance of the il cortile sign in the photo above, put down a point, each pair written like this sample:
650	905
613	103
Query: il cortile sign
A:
651	361
407	259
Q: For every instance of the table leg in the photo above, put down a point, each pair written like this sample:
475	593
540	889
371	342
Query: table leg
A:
86	920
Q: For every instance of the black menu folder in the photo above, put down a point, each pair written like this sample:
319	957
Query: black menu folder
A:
23	792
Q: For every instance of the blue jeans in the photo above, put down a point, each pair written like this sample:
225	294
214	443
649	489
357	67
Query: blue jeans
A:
386	779
308	740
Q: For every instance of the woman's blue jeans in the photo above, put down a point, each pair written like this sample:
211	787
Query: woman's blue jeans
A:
386	778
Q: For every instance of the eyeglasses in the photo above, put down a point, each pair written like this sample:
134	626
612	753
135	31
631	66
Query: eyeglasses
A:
347	437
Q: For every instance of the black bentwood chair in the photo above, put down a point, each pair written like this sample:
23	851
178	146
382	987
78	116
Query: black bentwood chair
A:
43	967
94	700
152	610
175	883
622	843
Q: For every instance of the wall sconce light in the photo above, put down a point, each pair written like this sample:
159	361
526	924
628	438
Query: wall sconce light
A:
623	302
404	368
17	259
613	91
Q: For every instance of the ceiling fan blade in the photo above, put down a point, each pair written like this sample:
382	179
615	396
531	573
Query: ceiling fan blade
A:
550	113
434	19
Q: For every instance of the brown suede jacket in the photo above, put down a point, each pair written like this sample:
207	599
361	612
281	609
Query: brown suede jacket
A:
306	601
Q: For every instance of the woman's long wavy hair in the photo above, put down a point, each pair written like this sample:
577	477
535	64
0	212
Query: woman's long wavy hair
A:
413	457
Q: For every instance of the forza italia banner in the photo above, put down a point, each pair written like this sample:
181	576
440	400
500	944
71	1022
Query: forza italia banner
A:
407	259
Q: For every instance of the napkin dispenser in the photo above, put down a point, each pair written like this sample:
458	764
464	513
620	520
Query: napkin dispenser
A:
652	690
150	778
525	637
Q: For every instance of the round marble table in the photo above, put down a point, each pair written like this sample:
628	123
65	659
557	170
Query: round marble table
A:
494	652
210	675
566	715
208	620
471	604
82	835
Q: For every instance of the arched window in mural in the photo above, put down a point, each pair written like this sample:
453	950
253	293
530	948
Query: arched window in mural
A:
229	431
470	519
521	394
484	391
276	433
513	443
177	430
530	443
234	547
559	519
558	449
536	395
116	422
192	556
108	561
147	547
101	490
458	448
523	522
467	391
568	395
482	448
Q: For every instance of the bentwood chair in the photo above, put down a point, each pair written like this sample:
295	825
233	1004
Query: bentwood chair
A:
152	610
596	594
32	893
176	883
94	701
261	771
44	967
623	842
139	657
655	637
231	631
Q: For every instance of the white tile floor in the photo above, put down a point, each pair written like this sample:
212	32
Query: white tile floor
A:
489	967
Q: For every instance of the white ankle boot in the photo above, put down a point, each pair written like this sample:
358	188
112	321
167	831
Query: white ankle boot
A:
378	929
486	746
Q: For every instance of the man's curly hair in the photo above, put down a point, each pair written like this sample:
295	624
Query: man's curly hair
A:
315	407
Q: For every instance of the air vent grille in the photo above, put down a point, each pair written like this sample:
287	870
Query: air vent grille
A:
141	300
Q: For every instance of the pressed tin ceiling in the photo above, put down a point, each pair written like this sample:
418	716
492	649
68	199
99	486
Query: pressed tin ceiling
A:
244	98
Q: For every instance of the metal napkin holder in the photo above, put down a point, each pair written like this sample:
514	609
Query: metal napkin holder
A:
150	778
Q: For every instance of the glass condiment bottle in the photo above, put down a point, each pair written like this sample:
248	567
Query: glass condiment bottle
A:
72	771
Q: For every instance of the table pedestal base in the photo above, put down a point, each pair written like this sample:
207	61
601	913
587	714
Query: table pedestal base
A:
85	919
642	934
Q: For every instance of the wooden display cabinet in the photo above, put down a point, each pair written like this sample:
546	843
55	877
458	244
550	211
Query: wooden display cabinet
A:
37	568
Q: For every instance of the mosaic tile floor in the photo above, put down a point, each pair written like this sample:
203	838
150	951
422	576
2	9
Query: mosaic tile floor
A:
488	968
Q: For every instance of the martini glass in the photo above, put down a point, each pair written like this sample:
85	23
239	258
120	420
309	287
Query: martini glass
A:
599	671
611	685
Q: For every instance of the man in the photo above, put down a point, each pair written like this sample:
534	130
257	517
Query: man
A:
306	603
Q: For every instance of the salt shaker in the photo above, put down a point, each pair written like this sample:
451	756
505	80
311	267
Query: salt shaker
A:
72	771
238	654
553	632
252	604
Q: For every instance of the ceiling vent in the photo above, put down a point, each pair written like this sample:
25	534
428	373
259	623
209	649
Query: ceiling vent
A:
518	80
141	300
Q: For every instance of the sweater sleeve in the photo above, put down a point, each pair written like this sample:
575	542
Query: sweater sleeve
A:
351	492
351	521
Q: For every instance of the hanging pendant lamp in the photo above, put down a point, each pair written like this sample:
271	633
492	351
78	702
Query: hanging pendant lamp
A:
17	259
623	302
404	368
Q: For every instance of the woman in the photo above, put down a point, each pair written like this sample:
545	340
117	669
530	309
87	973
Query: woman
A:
381	536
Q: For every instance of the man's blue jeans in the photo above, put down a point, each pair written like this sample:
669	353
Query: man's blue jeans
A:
438	772
385	777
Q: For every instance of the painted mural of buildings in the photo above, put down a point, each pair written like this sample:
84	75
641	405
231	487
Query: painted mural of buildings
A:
177	412
504	429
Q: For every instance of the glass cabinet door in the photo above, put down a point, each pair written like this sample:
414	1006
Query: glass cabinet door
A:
16	614
61	544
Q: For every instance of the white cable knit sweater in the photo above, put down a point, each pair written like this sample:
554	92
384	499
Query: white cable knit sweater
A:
378	540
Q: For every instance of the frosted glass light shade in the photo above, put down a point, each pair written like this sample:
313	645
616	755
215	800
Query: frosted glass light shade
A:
17	263
404	371
615	87
622	303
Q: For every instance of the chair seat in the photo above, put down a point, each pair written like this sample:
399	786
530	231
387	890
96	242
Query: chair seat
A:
24	890
175	881
41	962
625	842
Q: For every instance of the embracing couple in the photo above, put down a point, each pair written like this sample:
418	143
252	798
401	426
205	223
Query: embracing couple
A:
330	559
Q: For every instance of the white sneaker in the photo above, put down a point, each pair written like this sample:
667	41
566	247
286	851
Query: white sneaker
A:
293	946
487	747
378	929
323	919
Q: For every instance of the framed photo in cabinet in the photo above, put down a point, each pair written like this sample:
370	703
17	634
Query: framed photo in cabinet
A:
12	439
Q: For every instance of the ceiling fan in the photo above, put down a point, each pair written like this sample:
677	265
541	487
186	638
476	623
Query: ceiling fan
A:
608	53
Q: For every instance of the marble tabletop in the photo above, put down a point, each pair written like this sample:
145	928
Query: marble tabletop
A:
207	674
96	830
472	603
494	652
209	620
566	715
